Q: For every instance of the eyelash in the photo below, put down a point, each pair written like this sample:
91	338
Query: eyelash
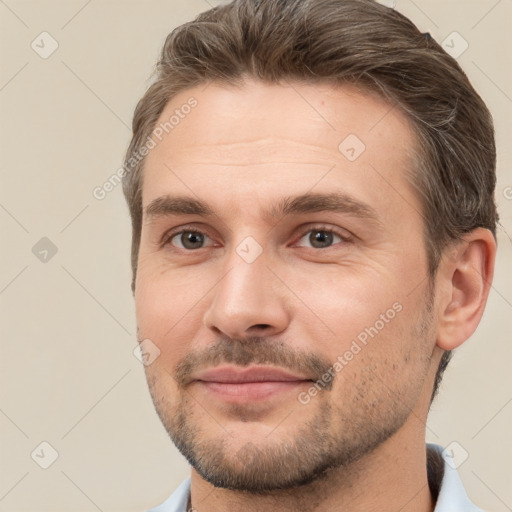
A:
325	229
344	238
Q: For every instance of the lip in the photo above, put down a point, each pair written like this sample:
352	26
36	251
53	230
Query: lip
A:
237	375
238	385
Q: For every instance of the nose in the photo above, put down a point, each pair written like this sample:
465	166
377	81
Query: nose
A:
248	301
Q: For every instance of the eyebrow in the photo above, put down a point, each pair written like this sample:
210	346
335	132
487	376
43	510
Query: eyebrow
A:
302	204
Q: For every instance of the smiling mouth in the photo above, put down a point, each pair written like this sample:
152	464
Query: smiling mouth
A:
235	384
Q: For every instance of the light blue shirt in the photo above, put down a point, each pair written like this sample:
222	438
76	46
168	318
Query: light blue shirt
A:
452	496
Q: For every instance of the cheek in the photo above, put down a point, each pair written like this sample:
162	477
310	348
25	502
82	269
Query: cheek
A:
344	304
384	371
169	309
164	391
373	340
165	295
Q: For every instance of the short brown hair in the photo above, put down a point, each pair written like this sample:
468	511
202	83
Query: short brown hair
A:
342	41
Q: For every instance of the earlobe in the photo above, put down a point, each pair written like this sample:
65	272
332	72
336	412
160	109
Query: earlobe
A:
466	276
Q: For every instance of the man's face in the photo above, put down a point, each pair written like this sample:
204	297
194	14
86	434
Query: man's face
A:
332	296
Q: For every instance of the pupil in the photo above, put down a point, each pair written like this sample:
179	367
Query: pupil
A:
321	237
193	239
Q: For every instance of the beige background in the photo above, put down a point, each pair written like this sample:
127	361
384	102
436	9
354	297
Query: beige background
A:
68	373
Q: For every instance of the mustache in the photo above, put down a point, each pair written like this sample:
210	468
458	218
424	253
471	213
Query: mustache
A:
252	350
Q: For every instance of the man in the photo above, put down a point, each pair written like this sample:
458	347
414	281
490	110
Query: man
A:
311	192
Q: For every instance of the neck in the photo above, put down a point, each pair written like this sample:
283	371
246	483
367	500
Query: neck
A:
392	477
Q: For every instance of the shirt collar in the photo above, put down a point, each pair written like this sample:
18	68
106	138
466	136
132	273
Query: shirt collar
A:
443	476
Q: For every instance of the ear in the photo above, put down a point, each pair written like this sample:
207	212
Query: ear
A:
464	279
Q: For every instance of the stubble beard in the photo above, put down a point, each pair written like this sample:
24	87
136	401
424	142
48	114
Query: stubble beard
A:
336	436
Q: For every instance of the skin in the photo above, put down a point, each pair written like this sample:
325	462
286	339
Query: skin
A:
242	149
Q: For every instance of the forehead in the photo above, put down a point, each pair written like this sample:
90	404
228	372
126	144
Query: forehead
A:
261	139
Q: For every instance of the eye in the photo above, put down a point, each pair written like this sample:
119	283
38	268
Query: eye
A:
321	237
188	239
